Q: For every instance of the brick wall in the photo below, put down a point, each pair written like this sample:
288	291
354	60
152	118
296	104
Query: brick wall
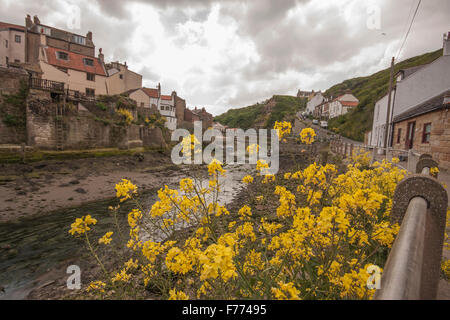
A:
439	145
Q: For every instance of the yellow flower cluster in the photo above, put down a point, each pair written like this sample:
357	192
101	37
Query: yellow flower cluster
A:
283	129
106	239
125	190
307	135
126	114
252	149
81	225
96	286
190	144
318	242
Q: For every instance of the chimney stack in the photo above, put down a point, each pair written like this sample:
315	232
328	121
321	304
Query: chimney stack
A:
447	98
446	44
101	56
36	20
28	21
89	35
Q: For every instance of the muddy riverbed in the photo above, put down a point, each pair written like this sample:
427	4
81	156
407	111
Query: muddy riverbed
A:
39	201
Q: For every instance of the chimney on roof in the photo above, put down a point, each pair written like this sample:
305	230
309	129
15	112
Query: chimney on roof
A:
446	44
28	21
447	99
101	56
89	35
36	20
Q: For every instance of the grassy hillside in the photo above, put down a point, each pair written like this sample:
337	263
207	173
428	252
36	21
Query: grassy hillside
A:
369	90
263	115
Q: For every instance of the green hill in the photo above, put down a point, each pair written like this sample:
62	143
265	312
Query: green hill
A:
368	90
263	115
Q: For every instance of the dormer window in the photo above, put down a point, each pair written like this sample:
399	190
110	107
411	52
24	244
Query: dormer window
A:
62	55
88	62
79	39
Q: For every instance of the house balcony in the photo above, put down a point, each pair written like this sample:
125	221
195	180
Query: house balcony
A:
48	85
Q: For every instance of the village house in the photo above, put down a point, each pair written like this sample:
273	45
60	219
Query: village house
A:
167	109
12	44
165	104
316	99
342	104
418	109
376	135
69	58
426	129
120	78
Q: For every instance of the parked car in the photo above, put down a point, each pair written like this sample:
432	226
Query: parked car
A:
315	121
324	124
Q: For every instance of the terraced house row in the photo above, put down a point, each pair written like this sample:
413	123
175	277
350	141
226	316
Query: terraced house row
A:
70	60
418	117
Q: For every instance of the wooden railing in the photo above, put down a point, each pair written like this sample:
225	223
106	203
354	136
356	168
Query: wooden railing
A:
49	85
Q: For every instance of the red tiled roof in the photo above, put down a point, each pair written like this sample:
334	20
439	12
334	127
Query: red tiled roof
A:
152	93
75	62
349	103
10	25
166	97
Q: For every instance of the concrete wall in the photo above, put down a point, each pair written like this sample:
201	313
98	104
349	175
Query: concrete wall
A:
428	82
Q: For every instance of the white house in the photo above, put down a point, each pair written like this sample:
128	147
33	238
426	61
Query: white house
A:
167	109
341	105
431	80
413	87
317	99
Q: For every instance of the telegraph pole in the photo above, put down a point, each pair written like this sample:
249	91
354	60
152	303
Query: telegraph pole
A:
386	131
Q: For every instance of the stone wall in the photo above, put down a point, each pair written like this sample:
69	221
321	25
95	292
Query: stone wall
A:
12	106
439	145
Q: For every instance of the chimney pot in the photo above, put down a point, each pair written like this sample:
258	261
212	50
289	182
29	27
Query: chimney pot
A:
36	20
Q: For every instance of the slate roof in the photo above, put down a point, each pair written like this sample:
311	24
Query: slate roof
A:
430	105
5	25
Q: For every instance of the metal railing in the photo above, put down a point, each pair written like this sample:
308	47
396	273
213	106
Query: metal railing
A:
419	205
49	85
412	269
408	158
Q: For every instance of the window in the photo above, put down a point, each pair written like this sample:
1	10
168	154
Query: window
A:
121	76
88	62
6	43
16	60
90	92
79	40
62	55
426	133
7	60
90	76
18	39
142	104
399	134
45	30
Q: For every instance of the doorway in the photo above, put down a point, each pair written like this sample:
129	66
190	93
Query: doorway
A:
410	135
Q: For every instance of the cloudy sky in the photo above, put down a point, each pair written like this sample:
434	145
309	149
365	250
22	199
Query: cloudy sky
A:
232	53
